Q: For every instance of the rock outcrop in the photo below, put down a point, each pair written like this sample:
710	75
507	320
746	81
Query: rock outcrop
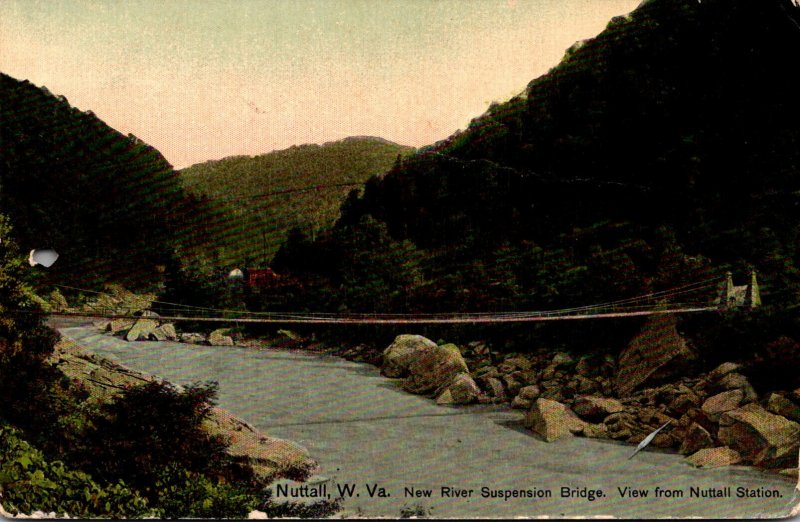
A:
552	420
404	350
714	458
434	369
141	329
220	338
596	408
656	353
762	438
462	390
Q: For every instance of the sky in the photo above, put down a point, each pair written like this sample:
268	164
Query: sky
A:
206	79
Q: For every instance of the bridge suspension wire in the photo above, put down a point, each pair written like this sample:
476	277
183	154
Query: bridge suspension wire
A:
647	304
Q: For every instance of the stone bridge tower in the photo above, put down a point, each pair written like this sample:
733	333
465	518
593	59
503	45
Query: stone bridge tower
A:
745	295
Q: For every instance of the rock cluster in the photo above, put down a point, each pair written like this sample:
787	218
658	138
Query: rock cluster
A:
428	368
715	419
148	327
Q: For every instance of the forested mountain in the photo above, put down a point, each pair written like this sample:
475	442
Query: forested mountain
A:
664	150
303	186
109	204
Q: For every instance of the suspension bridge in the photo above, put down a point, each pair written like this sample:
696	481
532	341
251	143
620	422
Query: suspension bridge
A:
713	294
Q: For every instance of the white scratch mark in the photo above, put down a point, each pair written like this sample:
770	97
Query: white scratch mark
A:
647	440
45	257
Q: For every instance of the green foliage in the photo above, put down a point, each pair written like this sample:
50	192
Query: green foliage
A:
28	482
299	178
17	306
302	510
147	445
149	427
33	395
198	280
376	272
109	204
660	153
181	494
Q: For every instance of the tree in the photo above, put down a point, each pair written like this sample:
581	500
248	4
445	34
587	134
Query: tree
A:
377	273
149	428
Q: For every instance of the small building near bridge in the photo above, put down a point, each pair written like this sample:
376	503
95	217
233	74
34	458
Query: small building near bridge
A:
256	278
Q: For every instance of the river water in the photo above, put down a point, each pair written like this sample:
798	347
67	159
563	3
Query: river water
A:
366	432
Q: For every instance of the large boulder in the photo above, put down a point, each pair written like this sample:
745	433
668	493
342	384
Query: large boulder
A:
404	350
518	363
435	369
720	403
761	437
736	381
494	388
656	353
552	420
219	338
722	370
141	329
462	390
696	438
165	332
192	338
563	360
118	325
525	397
780	405
169	331
596	409
714	458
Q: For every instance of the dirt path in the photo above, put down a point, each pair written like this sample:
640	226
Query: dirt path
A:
364	430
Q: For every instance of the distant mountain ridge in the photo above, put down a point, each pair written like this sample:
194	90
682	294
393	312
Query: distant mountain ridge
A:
301	186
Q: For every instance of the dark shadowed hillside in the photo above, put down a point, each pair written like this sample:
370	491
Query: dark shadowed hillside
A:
302	186
661	152
110	204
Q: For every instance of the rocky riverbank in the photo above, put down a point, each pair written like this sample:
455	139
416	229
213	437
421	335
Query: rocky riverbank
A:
714	419
270	457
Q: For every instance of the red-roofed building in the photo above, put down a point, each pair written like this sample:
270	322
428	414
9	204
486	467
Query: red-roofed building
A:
260	278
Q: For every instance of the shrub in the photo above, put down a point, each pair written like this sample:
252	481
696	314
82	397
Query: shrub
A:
30	483
152	426
181	493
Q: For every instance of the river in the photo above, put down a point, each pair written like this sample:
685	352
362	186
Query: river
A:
364	430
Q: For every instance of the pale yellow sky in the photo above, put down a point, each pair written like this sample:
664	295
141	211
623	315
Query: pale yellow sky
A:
202	80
